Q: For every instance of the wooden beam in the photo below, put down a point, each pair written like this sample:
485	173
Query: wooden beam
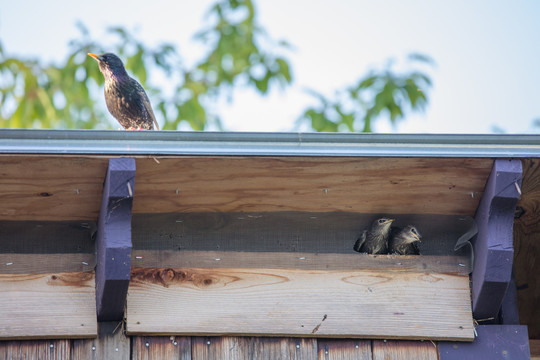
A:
312	184
46	187
114	240
492	342
493	247
527	248
46	263
60	305
312	303
299	260
51	187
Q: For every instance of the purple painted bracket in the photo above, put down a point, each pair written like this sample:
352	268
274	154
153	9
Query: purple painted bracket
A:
492	342
509	314
113	269
493	247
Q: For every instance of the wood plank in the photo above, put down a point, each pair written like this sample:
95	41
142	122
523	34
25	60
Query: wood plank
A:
315	184
35	349
535	349
161	347
111	343
493	247
45	263
527	248
47	187
114	240
313	303
239	348
58	305
338	349
299	260
51	187
492	342
404	350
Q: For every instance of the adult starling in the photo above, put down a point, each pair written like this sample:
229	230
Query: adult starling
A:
375	240
125	97
403	241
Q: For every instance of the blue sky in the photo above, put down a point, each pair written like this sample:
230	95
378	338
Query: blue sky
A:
487	53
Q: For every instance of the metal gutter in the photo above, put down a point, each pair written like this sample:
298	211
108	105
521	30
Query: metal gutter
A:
107	142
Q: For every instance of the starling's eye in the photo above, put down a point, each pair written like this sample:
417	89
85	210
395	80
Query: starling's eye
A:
413	230
381	221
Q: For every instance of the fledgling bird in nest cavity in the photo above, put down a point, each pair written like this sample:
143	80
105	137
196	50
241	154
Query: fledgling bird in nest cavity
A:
404	241
125	97
375	240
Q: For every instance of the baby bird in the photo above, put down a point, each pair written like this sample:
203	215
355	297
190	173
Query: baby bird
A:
125	97
404	241
375	240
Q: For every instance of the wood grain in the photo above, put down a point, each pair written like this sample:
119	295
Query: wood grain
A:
527	248
45	263
364	185
239	348
47	187
51	187
338	349
535	349
161	347
111	343
299	260
402	350
35	349
59	305
347	303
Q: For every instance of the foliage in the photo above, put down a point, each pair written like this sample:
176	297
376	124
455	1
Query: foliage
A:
384	91
239	53
33	94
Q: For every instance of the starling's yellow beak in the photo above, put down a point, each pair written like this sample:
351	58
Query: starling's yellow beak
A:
94	56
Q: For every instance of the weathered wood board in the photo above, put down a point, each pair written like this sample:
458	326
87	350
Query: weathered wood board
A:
527	248
310	303
161	347
111	344
59	305
300	260
344	349
45	263
51	187
364	185
398	350
36	349
46	187
239	348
